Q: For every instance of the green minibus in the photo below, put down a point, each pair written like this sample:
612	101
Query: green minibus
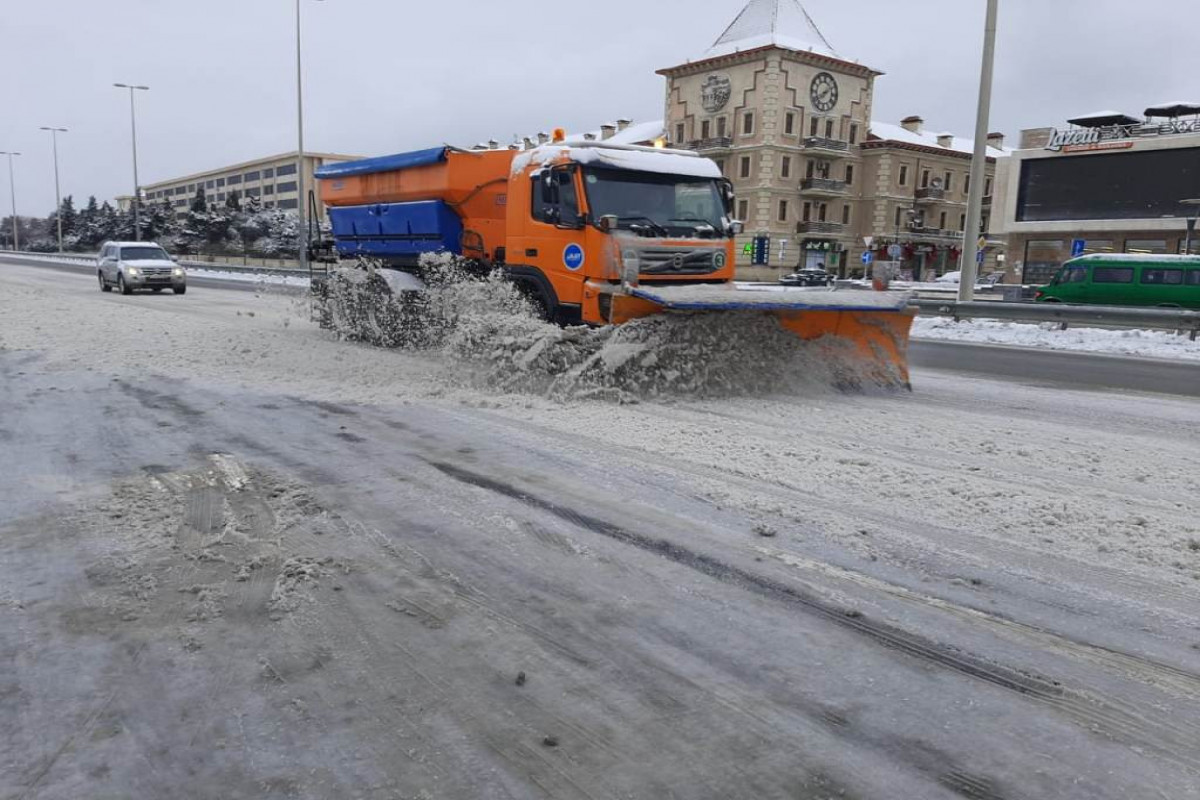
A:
1126	279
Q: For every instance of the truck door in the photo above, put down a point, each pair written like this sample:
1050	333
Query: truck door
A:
555	241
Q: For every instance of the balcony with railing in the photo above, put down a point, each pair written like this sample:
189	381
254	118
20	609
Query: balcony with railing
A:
987	201
931	194
711	143
823	187
819	145
829	228
921	232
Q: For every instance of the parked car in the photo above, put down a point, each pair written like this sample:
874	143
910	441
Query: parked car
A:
130	266
808	277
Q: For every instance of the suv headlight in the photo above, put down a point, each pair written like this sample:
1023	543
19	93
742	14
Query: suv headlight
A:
178	272
133	271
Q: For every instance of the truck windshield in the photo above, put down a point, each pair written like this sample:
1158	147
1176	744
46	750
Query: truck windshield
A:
144	254
662	204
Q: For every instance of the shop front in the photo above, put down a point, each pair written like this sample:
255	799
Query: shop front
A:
826	254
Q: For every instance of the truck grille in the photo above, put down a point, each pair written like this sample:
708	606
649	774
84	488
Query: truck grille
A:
668	261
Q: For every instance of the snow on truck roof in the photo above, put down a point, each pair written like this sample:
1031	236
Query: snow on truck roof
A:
639	159
1137	258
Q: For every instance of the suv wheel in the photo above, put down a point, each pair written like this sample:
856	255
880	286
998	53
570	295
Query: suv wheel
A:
104	287
124	287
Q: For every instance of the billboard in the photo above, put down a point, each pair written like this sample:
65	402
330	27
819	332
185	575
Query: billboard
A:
1145	184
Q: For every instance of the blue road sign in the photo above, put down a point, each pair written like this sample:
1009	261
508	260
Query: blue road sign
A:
868	257
979	257
1077	247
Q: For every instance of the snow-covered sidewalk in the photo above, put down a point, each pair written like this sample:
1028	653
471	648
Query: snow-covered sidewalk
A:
1132	342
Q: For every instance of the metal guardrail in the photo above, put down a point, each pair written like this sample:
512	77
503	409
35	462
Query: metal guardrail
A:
197	265
1172	319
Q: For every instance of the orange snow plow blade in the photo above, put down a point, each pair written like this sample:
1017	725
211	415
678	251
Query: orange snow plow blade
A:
866	332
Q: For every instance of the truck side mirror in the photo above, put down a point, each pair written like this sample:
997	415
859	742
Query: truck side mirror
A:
609	222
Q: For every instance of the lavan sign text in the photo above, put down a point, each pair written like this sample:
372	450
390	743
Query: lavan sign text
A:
1084	139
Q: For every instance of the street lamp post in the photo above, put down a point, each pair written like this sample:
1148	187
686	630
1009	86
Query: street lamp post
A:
970	248
300	198
1194	204
54	132
137	189
12	188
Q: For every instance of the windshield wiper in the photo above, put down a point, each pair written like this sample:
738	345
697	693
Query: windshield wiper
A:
654	226
704	226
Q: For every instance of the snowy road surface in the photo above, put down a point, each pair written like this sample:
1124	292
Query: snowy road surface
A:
241	559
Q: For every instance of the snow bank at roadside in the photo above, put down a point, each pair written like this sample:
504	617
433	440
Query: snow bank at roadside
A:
1133	342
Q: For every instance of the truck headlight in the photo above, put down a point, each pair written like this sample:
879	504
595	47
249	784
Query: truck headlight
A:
630	267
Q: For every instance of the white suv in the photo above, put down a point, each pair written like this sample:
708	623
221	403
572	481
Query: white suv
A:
138	265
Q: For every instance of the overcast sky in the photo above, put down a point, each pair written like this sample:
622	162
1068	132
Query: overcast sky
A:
391	75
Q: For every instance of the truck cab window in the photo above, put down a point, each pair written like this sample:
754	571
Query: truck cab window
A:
555	201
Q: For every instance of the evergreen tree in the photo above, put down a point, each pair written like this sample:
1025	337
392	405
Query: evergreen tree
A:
233	201
199	203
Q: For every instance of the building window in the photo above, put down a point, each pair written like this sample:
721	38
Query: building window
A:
822	208
962	222
924	179
748	123
987	188
1146	246
783	210
268	189
743	210
899	215
209	184
235	179
810	171
828	129
814	127
1042	260
967	183
785	169
252	192
180	190
220	182
720	162
705	129
286	169
220	197
789	123
287	203
679	133
287	186
269	204
807	212
846	214
191	189
849	174
744	169
721	127
853	134
251	176
268	173
949	181
942	222
904	174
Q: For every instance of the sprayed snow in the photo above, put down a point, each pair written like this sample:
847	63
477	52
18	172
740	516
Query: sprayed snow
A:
1135	342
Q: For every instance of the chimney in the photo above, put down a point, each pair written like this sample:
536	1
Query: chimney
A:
946	140
996	140
607	130
624	123
493	144
528	143
912	124
543	137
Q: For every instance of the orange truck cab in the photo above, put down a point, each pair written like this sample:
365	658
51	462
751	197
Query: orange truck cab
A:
575	225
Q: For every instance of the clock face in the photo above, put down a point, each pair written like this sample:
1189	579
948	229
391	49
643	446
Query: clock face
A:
824	92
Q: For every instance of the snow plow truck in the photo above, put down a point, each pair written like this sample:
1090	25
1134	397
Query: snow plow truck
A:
592	233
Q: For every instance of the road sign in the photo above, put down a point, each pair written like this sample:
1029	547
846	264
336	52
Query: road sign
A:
762	251
979	257
868	241
894	251
1077	247
868	257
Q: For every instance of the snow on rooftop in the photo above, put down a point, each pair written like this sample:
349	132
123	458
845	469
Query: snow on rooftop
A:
666	162
633	134
898	133
782	23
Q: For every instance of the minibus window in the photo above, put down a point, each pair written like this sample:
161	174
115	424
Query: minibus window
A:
1076	275
1112	275
1163	277
1193	277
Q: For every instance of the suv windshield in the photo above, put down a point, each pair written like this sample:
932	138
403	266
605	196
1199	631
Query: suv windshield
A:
665	204
144	254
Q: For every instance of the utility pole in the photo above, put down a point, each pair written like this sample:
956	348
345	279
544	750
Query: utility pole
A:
12	188
301	200
54	132
970	248
137	189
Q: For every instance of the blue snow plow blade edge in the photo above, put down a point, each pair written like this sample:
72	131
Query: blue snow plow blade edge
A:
367	166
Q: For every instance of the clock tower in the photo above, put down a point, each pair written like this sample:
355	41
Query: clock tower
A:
783	114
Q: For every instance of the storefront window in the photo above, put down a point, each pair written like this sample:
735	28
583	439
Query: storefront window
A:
1043	258
1144	246
1194	250
1098	246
